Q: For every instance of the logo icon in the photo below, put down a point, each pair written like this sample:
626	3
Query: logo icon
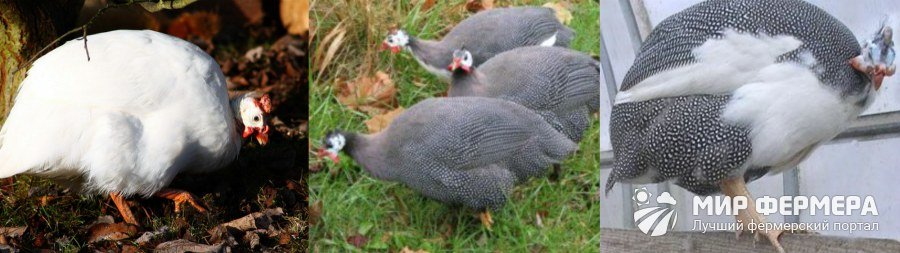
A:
654	220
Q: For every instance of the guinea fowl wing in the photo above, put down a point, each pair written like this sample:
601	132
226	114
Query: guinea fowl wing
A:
464	133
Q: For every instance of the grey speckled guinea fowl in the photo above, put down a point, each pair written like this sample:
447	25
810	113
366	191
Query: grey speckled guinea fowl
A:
725	92
467	150
561	84
485	34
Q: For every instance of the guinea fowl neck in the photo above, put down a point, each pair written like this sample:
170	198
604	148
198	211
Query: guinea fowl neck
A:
235	103
465	83
432	53
367	151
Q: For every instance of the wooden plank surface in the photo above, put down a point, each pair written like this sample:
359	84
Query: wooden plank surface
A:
625	241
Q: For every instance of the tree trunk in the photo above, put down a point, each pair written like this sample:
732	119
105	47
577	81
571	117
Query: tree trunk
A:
26	26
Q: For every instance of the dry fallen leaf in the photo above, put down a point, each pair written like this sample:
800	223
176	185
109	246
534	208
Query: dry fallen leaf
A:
479	5
407	250
252	11
111	232
562	12
358	240
382	121
295	16
12	231
373	95
257	220
150	235
197	27
427	4
254	54
166	5
315	211
182	245
539	218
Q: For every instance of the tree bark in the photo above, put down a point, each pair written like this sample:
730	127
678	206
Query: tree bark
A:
26	26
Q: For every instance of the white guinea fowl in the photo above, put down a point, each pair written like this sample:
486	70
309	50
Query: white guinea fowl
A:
145	107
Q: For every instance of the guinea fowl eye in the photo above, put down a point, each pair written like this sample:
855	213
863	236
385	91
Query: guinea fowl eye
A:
255	118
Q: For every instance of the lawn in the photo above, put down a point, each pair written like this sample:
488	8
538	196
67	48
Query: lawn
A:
349	210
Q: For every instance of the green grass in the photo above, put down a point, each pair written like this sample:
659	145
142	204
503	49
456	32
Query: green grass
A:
393	216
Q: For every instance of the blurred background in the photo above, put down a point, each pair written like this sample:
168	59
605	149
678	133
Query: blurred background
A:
260	45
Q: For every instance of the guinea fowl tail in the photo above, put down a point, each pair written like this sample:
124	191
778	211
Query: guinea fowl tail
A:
610	183
564	36
558	147
542	151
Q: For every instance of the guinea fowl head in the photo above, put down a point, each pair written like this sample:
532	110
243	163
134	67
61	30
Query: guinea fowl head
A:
462	59
333	143
252	110
877	57
396	40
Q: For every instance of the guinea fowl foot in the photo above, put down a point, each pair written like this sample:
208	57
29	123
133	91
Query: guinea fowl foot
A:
124	208
486	219
734	187
556	172
180	197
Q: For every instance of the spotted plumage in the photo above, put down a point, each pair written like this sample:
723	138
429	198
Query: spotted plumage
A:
466	150
734	88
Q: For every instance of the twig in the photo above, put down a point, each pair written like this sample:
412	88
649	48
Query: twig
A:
83	29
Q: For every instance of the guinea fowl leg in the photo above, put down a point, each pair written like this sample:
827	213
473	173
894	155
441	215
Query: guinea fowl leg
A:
123	207
486	219
556	173
180	197
736	186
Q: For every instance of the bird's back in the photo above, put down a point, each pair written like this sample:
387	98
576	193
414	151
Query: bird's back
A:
490	32
544	78
671	44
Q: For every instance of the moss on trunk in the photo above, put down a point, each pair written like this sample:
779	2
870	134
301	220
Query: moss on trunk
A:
26	26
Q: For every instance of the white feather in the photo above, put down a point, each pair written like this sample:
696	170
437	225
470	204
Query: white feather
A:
146	107
789	112
550	41
722	65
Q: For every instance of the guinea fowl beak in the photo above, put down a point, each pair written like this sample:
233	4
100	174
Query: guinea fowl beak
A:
262	135
328	154
385	46
453	65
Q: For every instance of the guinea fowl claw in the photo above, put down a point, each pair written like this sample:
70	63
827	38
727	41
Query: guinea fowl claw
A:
734	187
486	219
773	236
180	197
556	173
124	208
